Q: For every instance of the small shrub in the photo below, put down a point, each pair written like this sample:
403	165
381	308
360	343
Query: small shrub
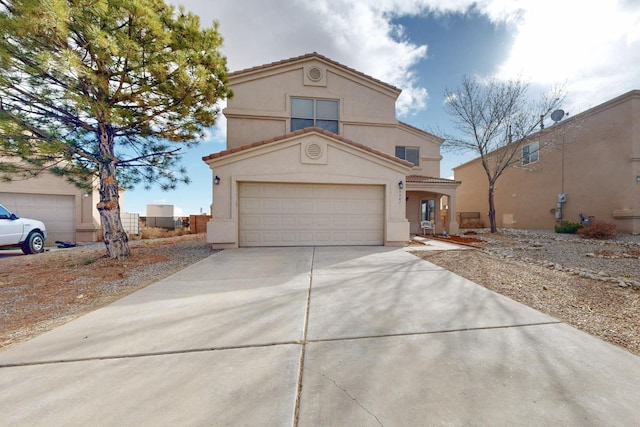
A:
568	227
598	230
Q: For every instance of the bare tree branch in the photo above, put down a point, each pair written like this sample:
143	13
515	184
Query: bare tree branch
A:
494	120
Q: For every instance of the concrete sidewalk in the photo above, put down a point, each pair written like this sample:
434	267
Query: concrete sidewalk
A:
357	336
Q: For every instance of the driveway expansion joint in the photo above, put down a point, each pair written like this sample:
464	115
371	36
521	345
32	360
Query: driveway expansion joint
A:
150	354
305	327
302	343
444	331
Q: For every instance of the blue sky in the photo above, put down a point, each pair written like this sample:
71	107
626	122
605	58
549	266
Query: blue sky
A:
423	47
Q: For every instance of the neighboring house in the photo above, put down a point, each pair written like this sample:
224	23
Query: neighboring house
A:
588	164
68	213
316	156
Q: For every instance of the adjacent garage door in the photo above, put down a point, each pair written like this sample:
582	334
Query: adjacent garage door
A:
57	212
310	215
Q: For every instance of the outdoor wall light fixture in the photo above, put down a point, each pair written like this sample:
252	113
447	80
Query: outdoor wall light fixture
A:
401	185
216	180
637	178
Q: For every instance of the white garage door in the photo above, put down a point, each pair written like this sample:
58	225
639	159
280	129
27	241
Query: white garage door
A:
57	212
310	214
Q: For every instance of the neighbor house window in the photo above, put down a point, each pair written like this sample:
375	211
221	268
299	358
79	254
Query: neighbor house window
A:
530	153
322	113
410	154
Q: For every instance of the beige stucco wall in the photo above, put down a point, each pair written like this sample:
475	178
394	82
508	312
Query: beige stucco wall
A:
360	100
87	218
283	161
386	138
260	109
593	158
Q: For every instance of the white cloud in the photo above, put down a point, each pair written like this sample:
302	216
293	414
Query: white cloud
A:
593	47
359	35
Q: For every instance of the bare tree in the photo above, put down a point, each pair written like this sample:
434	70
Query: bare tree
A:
494	119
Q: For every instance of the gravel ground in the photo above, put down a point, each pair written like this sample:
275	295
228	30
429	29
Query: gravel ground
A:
590	284
615	260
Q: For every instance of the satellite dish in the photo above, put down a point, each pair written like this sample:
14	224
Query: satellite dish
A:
557	115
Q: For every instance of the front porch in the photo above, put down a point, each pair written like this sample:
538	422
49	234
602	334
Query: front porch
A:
432	199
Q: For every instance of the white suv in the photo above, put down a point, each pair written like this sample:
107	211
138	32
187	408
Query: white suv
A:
24	233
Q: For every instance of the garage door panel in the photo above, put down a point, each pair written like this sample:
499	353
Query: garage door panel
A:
305	215
271	206
56	211
270	237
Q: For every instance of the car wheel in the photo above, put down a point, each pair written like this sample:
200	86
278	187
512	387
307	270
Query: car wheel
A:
34	243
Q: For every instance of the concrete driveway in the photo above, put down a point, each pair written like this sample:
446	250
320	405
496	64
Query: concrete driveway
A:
332	336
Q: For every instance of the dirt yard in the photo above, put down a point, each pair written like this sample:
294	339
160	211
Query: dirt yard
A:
40	292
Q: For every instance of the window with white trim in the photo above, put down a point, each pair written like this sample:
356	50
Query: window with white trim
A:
410	154
530	153
308	112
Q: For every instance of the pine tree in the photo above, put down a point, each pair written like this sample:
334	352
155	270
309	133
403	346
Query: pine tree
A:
106	89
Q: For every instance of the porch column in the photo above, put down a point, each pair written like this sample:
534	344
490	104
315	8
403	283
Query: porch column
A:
451	215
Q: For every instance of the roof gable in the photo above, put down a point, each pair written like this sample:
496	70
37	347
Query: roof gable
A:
283	65
310	130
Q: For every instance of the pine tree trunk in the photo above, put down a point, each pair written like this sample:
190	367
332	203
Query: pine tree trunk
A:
115	238
492	210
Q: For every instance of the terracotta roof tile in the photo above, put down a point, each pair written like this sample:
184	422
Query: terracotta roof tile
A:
301	132
430	180
307	56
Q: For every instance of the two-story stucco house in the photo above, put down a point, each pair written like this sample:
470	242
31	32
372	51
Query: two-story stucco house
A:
316	156
587	164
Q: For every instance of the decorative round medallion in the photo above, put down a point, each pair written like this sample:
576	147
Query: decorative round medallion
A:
314	151
314	73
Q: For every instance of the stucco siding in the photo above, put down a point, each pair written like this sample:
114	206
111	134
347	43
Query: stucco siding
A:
263	150
286	162
358	101
588	158
243	131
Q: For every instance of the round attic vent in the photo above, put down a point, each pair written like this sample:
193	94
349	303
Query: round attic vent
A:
314	74
314	151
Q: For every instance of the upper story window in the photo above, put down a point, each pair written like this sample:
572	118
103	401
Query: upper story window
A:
530	153
410	154
307	112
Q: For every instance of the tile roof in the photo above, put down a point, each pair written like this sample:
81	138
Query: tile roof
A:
304	131
312	55
430	180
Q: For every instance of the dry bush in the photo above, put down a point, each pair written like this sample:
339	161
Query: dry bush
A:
157	232
598	230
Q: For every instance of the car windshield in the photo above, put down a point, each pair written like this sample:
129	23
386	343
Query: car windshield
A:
4	214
